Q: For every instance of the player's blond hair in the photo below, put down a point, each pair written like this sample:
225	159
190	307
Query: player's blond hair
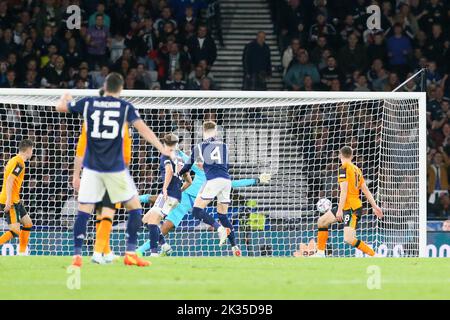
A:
209	125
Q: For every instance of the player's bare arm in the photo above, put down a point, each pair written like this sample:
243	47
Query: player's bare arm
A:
77	165
9	189
342	199
63	103
376	209
187	181
150	136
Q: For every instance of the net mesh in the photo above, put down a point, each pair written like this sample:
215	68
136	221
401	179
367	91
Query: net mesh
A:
295	140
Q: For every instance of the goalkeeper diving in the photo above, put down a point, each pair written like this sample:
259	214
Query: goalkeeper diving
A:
188	196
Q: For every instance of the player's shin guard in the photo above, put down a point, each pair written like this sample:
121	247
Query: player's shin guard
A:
201	215
322	238
223	218
24	237
79	231
103	234
133	225
8	235
361	245
154	233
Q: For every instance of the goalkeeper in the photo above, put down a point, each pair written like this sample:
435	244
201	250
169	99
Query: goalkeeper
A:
188	197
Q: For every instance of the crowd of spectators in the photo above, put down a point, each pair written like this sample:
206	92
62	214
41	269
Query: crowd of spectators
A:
154	44
326	45
48	186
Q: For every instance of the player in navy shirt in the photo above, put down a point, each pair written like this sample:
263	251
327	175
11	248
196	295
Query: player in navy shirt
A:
213	155
170	196
104	119
104	166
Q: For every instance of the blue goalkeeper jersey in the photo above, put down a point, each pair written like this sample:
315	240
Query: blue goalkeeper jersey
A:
105	119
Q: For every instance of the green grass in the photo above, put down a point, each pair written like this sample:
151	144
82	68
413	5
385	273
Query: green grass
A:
227	278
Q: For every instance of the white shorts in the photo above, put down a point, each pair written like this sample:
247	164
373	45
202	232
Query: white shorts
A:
219	187
165	206
119	185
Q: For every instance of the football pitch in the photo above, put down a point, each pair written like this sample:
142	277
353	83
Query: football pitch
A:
227	278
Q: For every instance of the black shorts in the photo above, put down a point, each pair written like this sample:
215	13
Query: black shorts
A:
351	217
15	214
105	203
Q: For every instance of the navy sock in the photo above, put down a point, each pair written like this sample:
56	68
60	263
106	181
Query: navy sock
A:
162	239
154	233
133	225
223	218
79	231
201	215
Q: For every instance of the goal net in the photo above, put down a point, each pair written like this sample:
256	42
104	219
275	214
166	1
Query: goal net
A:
293	136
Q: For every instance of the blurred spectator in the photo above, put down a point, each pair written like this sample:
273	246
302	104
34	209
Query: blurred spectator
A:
202	47
352	56
433	76
116	47
296	74
293	20
214	19
120	13
56	76
318	52
96	39
322	28
100	12
165	18
437	176
196	77
10	79
361	84
308	84
257	63
177	82
330	72
441	209
446	225
98	77
399	49
31	80
411	85
290	53
376	50
175	60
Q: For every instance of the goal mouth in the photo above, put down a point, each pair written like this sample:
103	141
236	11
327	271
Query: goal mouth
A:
294	136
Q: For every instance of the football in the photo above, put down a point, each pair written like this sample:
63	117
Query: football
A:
323	205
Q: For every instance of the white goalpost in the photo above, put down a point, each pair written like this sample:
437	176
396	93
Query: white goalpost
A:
293	136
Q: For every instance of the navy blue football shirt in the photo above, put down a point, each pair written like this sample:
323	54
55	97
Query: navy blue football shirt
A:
174	188
105	118
214	156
